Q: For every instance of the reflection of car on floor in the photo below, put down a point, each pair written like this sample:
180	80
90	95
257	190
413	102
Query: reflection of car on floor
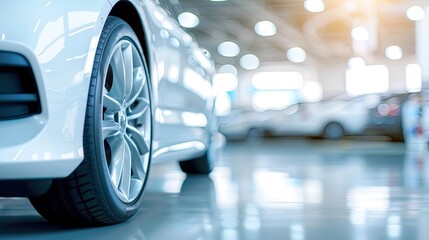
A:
328	119
91	93
386	117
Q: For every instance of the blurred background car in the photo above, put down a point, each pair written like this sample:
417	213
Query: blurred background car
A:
329	119
244	122
386	118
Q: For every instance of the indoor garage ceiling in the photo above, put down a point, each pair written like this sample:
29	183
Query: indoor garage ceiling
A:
324	35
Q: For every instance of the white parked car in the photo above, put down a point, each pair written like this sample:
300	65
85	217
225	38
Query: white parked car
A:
328	119
92	92
244	122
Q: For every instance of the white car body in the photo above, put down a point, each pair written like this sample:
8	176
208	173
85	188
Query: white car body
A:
59	39
310	119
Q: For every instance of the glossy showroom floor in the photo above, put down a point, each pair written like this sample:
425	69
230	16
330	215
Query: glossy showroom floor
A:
273	189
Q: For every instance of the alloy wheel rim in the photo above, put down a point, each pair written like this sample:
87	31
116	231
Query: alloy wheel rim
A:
126	121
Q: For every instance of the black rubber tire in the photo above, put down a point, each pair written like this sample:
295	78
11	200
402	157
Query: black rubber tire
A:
86	197
333	131
397	137
200	165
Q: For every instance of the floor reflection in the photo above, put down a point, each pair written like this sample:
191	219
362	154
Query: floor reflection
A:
276	189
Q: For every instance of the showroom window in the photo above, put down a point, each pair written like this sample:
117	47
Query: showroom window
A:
413	74
275	90
272	100
367	79
225	84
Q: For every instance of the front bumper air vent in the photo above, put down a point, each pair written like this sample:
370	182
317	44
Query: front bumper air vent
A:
19	96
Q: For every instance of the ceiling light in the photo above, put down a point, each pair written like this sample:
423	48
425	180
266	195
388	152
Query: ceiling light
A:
249	62
296	55
188	20
187	38
228	49
416	13
393	52
265	28
360	33
356	62
228	68
314	6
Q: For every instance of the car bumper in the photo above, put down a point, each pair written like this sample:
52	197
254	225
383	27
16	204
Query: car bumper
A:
59	41
47	142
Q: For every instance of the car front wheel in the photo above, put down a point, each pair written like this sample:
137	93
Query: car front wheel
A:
333	131
108	185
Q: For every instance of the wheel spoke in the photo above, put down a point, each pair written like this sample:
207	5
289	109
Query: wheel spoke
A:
137	163
125	183
139	109
118	69
127	53
110	129
111	104
117	146
136	186
138	138
139	83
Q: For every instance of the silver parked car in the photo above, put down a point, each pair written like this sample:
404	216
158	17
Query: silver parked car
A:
330	119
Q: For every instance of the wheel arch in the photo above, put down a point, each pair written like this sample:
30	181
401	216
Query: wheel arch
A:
128	12
333	122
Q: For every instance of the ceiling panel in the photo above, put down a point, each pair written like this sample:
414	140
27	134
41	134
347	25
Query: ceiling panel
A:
324	35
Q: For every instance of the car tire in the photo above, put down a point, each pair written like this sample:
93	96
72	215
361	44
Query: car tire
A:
397	137
333	131
107	186
200	165
256	133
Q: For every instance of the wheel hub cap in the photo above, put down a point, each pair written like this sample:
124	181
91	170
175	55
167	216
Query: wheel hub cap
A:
122	120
